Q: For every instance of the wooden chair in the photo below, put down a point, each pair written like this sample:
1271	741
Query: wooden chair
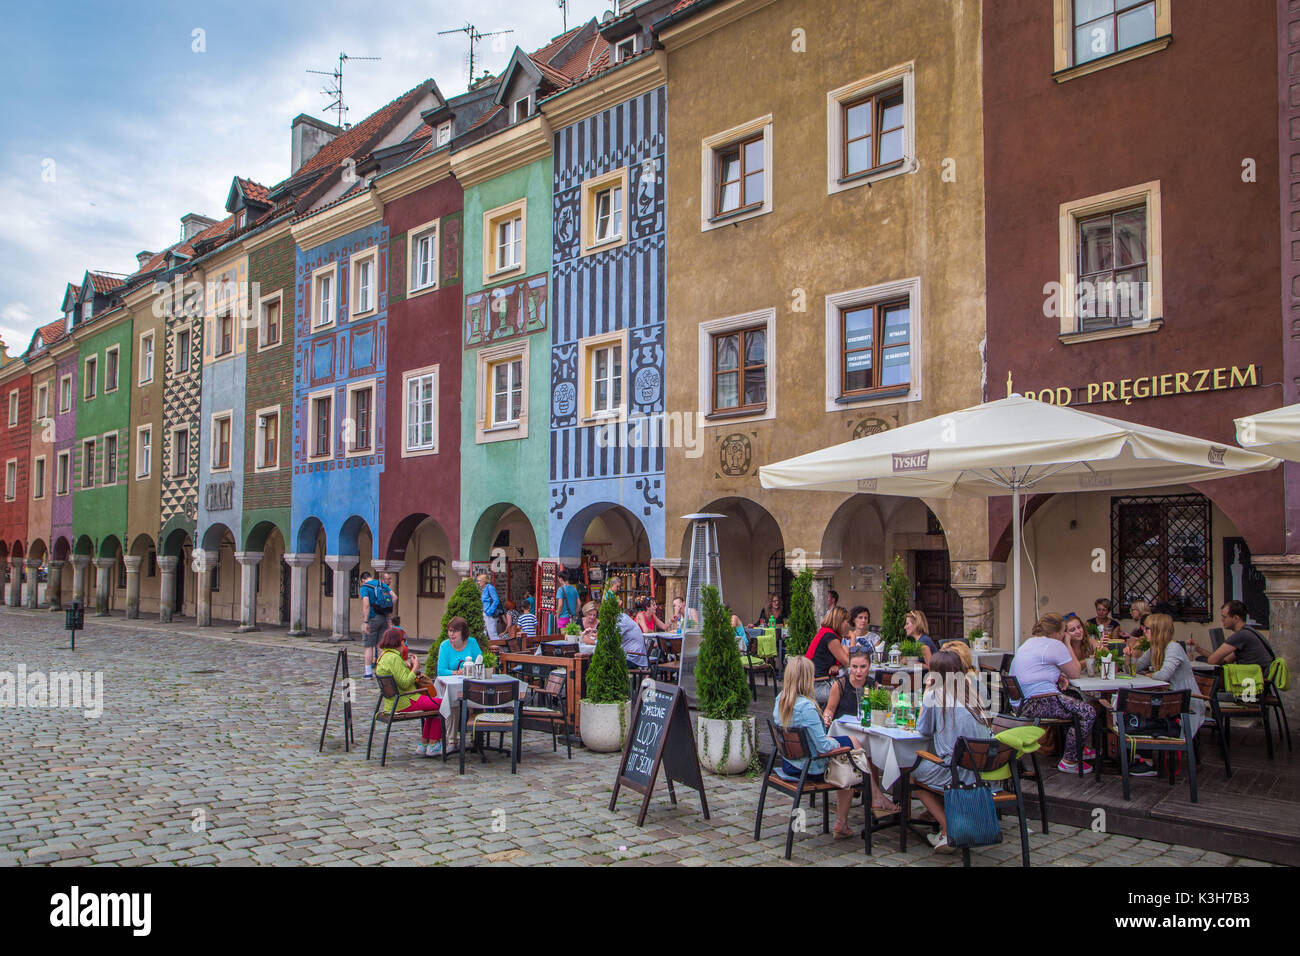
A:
1152	705
1011	690
1210	685
491	700
794	745
983	757
1226	707
388	689
548	704
756	665
1002	722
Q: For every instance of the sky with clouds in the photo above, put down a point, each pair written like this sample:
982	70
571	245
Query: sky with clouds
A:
119	118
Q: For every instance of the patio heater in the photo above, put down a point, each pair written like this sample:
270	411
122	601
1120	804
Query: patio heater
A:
705	568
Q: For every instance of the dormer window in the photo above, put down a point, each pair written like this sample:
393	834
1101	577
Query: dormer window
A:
625	49
522	109
444	133
241	218
87	310
68	317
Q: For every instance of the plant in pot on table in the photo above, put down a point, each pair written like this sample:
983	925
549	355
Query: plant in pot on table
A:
724	727
878	702
605	708
573	629
911	651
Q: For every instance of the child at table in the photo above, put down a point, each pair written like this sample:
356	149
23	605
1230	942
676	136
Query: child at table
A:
950	709
409	696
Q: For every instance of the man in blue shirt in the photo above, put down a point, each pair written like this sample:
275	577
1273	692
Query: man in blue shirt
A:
633	641
376	607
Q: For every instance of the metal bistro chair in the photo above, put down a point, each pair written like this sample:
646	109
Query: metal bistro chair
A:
1012	691
985	758
755	664
489	698
794	745
1140	704
1004	722
548	704
388	688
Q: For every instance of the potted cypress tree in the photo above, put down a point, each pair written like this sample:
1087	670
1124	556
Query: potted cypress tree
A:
605	710
464	602
802	624
898	601
724	728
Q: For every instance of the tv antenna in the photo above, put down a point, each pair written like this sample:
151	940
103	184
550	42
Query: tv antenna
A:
474	36
564	12
336	90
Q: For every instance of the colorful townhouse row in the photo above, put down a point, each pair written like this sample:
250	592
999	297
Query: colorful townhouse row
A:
556	314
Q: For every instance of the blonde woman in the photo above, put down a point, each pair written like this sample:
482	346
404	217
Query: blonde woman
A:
918	629
796	708
1138	610
1044	666
963	651
1167	661
827	651
1077	640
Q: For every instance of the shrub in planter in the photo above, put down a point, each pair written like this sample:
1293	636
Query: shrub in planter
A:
605	708
801	624
464	602
572	629
910	648
724	727
897	602
878	703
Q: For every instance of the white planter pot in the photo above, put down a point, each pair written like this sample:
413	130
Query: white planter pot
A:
604	726
725	746
878	718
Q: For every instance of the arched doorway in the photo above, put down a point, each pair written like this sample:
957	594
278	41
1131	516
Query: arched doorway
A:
610	548
272	577
223	583
178	544
505	543
150	586
749	538
427	580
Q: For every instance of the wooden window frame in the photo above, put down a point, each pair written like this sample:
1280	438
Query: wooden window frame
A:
71	393
900	78
90	378
877	132
11	487
110	461
184	460
439	567
740	371
354	449
187	352
1064	66
591	192
276	299
15	407
39	477
63	473
259	452
886	293
877	346
89	473
114	350
227	416
492	271
710	170
313	434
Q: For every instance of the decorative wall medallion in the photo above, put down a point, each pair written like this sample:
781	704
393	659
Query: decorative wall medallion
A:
735	455
564	399
870	426
647	385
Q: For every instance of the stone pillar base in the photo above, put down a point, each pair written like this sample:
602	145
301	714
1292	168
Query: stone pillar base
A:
1282	587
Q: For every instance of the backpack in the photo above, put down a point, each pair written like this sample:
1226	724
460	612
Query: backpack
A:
381	596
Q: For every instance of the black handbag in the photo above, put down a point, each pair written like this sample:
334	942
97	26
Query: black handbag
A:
1135	726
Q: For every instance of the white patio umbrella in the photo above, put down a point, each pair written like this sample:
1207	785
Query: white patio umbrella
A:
1010	446
1275	432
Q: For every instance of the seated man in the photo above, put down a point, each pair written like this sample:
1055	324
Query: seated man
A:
1242	644
633	641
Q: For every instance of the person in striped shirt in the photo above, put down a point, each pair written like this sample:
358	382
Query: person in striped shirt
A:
528	621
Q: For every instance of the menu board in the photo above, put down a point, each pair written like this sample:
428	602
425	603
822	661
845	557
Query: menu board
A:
660	736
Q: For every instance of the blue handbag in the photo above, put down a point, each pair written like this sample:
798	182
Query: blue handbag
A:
972	818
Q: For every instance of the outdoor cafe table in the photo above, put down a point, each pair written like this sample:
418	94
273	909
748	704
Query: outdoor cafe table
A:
449	689
892	749
991	655
1103	685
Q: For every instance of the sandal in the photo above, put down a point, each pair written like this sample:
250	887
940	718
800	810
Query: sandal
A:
886	807
842	834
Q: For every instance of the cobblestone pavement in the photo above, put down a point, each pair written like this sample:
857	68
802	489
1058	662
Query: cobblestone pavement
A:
206	753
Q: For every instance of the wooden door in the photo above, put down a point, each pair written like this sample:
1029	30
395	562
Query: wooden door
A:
935	596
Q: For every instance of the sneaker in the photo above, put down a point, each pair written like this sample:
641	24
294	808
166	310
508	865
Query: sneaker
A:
1089	753
1069	766
940	842
1142	768
433	750
421	751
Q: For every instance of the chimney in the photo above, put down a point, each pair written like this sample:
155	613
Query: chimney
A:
192	224
143	258
308	136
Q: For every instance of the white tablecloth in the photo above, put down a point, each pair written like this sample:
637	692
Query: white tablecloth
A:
449	689
1098	685
992	656
891	749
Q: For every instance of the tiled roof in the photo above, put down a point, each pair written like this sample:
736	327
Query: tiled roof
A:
187	248
75	290
104	283
548	52
587	58
351	141
52	333
255	191
486	116
551	73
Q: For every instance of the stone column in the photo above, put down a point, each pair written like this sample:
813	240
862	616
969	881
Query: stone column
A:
674	575
132	563
54	585
80	562
248	561
978	584
104	568
203	563
14	592
1282	587
33	573
167	565
394	568
341	565
298	565
823	574
465	570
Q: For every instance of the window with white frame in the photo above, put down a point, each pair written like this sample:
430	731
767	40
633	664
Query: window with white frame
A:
63	473
421	425
65	393
625	48
871	129
180	452
144	451
502	406
111	369
42	402
1111	264
182	349
268	323
444	134
321	435
602	375
873	344
422	254
11	479
361	419
38	477
13	408
221	424
365	295
1095	34
521	109
604	211
146	358
268	439
88	463
90	377
323	298
503	240
110	458
737	366
87	310
736	174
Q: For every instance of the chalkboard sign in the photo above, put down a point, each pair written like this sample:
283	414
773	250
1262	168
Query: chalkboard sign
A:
74	620
660	736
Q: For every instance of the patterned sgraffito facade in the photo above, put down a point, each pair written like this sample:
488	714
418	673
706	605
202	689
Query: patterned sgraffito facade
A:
343	483
622	289
182	394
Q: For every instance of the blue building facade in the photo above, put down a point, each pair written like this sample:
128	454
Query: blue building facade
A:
608	301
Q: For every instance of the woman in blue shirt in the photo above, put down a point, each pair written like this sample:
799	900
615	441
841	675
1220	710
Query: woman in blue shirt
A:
491	604
795	707
458	648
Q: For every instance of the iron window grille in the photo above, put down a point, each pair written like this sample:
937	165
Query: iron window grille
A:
1160	552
